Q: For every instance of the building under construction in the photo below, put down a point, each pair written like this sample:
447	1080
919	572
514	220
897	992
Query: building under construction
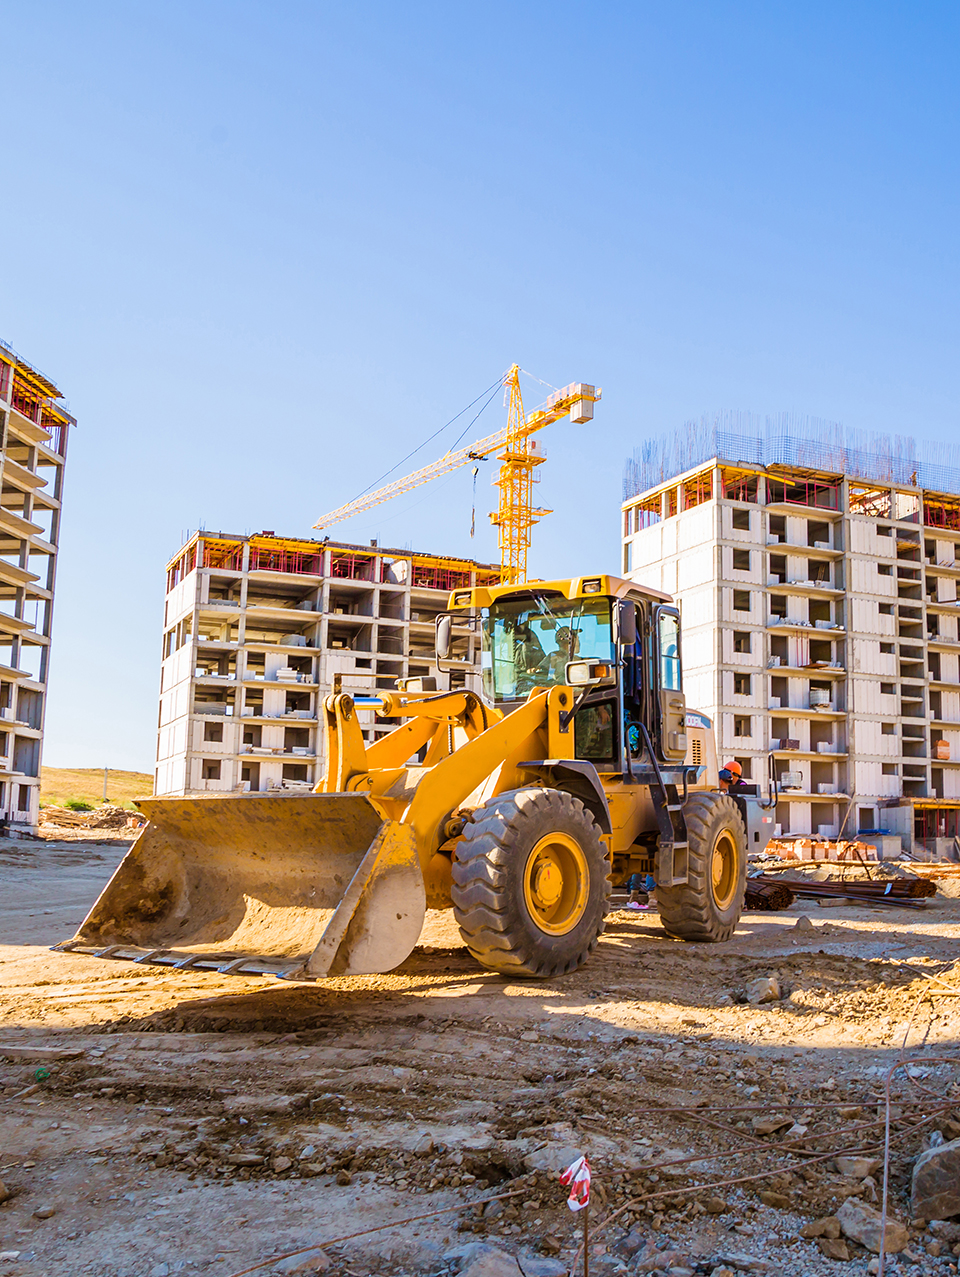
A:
817	571
257	628
33	453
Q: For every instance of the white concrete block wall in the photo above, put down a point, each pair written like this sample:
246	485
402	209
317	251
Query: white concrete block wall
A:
877	636
191	611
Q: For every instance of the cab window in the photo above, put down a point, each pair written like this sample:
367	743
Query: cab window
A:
669	634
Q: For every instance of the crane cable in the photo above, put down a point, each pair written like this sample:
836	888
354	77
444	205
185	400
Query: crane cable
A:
496	386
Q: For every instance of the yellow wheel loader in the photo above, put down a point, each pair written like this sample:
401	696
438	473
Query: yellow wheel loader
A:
516	806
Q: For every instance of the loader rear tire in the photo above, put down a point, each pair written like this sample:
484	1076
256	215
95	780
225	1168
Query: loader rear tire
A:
708	907
530	883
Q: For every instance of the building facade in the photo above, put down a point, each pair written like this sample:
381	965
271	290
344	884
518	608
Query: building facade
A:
820	616
256	630
33	454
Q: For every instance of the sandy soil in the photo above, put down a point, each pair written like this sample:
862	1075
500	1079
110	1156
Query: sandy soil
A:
211	1123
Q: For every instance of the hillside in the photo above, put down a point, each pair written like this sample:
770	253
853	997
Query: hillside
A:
60	784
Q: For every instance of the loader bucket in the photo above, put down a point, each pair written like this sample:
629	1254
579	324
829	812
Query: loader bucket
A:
299	886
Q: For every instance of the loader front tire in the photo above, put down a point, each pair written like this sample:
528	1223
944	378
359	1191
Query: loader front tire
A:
708	907
530	883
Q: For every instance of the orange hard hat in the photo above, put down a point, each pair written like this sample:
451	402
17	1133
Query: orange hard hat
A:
733	766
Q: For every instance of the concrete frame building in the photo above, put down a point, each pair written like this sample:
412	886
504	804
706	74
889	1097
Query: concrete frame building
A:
257	627
33	454
817	574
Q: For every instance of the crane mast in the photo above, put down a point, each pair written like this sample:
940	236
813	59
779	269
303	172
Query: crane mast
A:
519	458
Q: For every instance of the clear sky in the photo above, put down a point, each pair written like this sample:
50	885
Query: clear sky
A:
267	248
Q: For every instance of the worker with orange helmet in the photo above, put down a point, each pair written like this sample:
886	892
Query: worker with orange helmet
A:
731	776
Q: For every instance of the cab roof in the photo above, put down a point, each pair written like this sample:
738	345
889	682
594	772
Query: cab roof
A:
568	588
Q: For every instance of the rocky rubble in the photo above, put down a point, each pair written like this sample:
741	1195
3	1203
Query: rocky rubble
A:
199	1112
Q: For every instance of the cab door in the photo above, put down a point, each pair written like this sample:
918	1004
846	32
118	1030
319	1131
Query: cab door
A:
672	703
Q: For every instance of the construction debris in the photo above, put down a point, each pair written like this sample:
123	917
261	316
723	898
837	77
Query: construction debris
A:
105	817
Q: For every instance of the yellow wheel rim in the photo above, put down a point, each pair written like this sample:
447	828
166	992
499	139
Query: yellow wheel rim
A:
723	869
556	883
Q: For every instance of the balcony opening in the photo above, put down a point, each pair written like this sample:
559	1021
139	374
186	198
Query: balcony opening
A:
298	705
821	738
779	731
296	740
823	819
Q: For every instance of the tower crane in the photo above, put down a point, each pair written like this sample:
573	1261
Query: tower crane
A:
519	458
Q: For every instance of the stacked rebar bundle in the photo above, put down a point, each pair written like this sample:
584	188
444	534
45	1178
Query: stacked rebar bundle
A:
767	893
893	892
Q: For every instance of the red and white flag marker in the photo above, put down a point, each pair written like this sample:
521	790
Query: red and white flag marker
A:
577	1175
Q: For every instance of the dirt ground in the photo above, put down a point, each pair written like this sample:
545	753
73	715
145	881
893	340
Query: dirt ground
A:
198	1122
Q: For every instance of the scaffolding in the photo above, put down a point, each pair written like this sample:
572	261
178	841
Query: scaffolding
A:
810	443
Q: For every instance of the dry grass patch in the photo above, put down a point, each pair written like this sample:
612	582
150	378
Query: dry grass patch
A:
58	785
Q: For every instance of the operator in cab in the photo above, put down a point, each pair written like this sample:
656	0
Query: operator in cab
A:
567	644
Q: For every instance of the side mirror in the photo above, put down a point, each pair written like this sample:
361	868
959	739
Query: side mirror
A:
443	638
589	674
626	623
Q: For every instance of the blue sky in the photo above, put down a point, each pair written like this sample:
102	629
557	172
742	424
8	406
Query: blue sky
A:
265	249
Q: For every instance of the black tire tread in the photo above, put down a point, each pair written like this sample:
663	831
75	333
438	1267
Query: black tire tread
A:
483	906
688	912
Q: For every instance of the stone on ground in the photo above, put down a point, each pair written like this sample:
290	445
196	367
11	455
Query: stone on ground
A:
861	1223
491	1262
936	1183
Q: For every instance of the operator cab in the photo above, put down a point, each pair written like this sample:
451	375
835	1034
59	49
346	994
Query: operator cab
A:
615	644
